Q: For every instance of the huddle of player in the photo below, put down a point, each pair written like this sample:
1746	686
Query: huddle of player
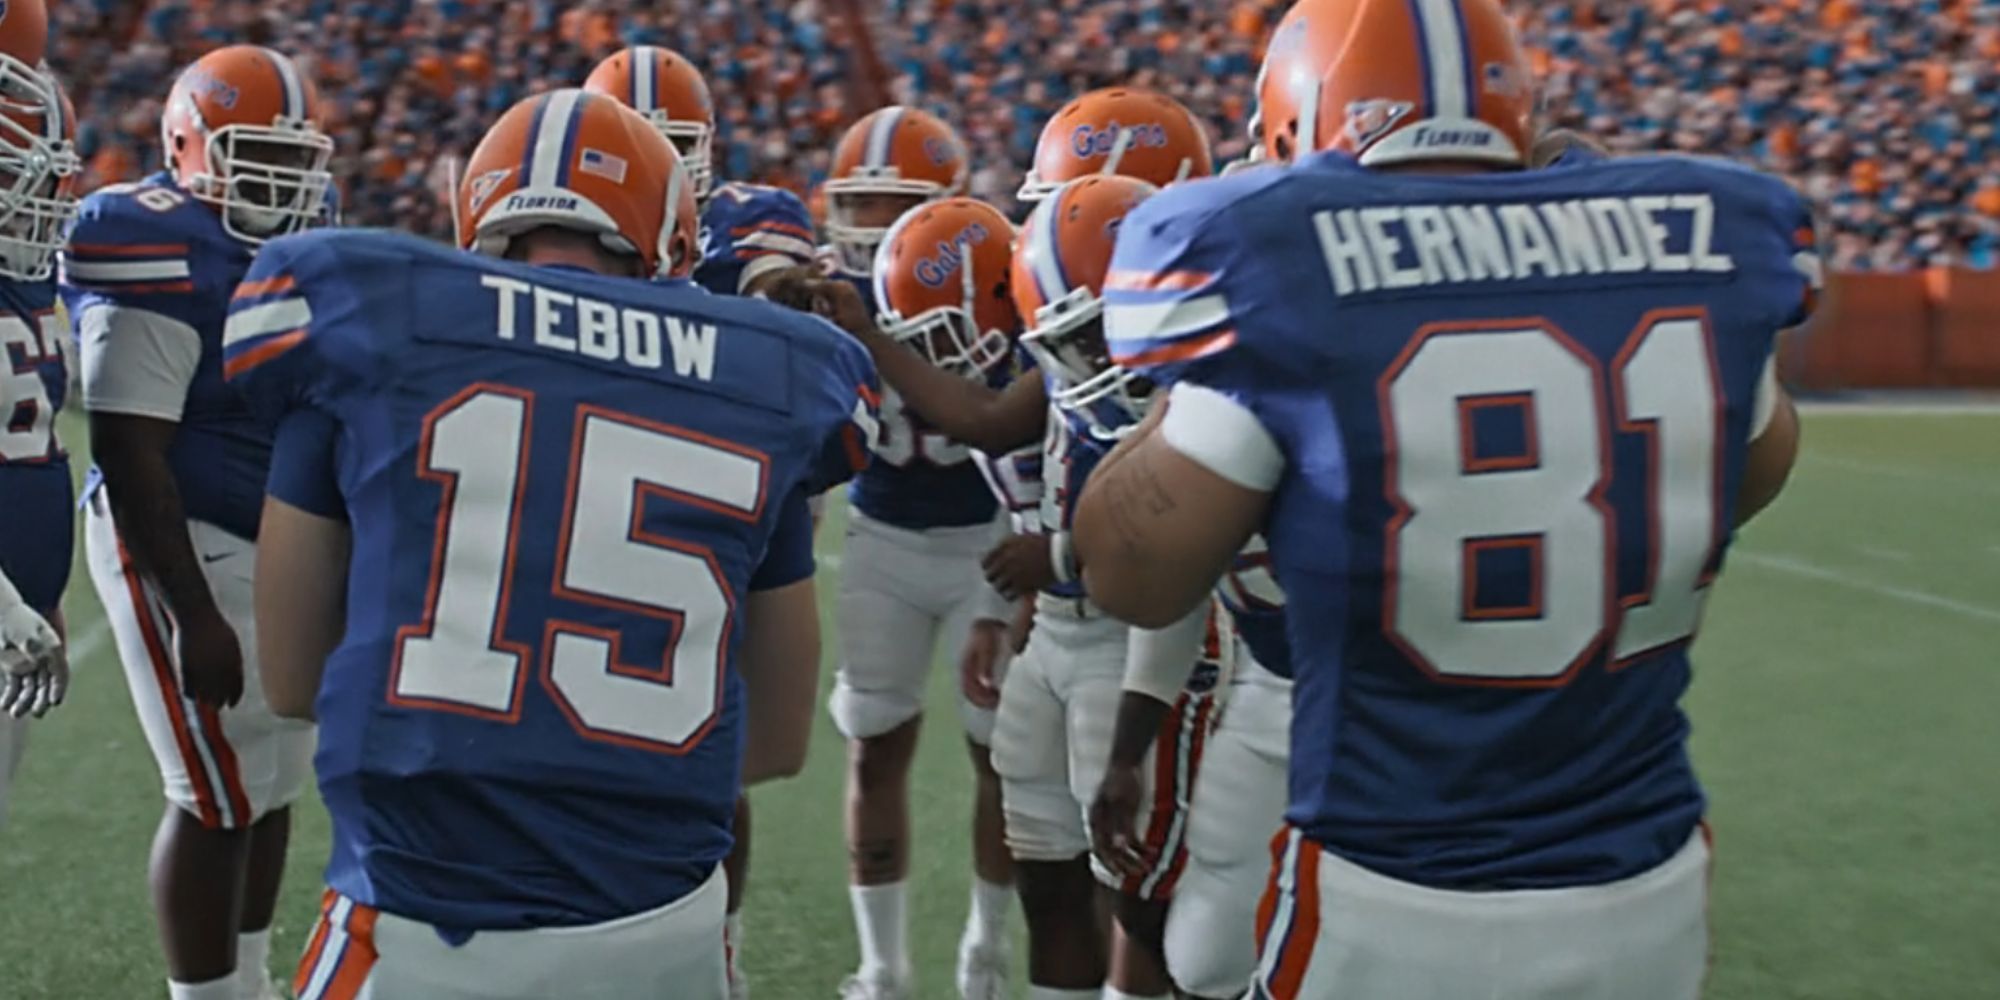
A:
1495	403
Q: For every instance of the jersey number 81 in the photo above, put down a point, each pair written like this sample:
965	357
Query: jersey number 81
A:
1551	503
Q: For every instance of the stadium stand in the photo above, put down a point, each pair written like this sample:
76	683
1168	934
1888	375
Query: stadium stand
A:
1884	110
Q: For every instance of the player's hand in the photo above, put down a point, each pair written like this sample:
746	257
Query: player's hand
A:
1019	566
979	664
211	660
832	299
34	671
791	287
1113	814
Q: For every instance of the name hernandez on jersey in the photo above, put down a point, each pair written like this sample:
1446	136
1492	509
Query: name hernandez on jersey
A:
147	276
1497	531
749	230
549	473
36	498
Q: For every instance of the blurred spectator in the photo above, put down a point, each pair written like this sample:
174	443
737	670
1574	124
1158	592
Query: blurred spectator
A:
1883	110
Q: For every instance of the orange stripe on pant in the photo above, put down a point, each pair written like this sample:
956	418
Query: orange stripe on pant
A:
1182	734
1288	974
316	946
163	673
356	959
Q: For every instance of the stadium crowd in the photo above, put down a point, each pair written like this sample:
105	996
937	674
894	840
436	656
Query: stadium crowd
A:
1883	110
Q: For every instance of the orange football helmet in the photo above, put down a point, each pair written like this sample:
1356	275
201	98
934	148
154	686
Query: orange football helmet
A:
24	41
1397	81
1058	279
1118	130
669	93
241	132
941	284
888	162
38	172
581	161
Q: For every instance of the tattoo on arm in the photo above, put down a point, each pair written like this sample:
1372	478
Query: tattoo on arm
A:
1135	495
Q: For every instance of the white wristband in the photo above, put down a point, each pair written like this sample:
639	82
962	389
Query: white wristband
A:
1062	558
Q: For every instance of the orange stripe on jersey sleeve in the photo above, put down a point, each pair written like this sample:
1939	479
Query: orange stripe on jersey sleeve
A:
128	249
262	353
1156	281
773	227
269	286
1186	350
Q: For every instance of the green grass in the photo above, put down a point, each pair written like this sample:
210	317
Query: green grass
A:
1844	708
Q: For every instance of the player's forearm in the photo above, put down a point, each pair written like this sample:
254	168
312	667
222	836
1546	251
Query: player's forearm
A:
302	562
1769	463
152	524
1139	718
964	410
779	662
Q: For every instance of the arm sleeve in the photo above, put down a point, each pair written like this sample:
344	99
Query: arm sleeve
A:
789	558
1168	300
135	361
1158	662
265	343
852	436
303	470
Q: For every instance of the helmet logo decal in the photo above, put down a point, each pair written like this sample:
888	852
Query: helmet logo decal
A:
1087	142
934	271
940	150
485	184
599	163
201	84
1370	120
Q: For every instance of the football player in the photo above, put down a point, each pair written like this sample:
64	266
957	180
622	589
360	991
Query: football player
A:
1209	940
1128	131
172	517
749	234
539	717
919	517
1495	533
38	165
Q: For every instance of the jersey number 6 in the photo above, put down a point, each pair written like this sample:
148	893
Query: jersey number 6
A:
458	658
1551	502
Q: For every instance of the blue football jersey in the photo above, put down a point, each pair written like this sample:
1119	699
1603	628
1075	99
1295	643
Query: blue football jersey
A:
35	491
149	247
1513	411
562	487
748	230
1257	606
1071	449
918	478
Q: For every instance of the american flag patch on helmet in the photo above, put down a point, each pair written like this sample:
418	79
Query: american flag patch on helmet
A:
602	164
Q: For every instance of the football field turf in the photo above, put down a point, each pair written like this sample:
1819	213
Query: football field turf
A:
1848	686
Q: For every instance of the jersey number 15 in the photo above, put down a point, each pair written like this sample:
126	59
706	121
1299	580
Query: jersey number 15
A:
458	657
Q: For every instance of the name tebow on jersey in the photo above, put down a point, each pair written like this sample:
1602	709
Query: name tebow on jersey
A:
1503	418
547	472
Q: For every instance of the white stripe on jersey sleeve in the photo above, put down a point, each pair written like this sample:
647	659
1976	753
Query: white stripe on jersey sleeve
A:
281	316
133	270
136	362
778	242
1165	320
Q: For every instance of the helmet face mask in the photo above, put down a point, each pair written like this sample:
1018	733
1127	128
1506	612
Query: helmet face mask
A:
859	213
38	170
268	181
1067	340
